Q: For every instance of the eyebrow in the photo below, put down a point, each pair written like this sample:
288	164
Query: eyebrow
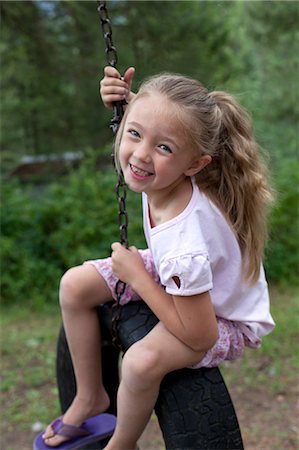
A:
167	137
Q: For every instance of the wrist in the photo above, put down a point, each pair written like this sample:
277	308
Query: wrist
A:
141	283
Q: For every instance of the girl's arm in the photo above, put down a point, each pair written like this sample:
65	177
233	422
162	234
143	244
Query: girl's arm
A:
113	88
191	319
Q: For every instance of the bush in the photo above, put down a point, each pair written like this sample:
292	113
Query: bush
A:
282	261
22	274
45	232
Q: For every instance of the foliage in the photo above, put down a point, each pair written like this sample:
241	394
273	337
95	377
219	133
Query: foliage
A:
275	35
52	53
44	234
49	76
74	219
52	57
283	256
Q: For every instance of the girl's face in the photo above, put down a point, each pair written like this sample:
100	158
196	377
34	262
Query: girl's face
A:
153	154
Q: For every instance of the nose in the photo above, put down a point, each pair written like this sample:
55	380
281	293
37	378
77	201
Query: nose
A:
142	152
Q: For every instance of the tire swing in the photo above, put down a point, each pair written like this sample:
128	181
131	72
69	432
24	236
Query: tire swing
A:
194	408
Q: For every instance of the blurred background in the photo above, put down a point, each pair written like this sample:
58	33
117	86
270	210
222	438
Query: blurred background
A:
58	205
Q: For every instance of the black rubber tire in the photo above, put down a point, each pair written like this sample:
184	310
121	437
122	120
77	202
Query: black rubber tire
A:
194	408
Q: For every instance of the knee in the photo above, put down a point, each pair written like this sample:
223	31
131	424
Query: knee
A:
141	365
70	290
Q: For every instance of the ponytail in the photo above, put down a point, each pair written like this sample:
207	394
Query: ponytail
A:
236	180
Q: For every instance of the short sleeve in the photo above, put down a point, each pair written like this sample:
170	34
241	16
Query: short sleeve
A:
186	275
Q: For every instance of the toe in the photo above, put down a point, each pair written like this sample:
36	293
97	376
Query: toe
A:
51	439
54	441
48	433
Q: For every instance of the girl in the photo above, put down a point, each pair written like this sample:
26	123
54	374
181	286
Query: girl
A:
192	155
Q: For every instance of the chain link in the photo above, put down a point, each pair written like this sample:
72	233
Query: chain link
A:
112	58
120	189
123	221
111	53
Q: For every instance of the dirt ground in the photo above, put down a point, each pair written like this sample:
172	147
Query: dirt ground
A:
267	422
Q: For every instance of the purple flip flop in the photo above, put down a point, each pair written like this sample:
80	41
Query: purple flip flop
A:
92	430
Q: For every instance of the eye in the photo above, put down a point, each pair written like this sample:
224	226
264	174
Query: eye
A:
165	148
134	133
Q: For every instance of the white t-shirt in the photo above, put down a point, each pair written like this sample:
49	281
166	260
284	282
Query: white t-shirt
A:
200	251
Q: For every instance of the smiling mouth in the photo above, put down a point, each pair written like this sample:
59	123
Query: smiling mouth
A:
139	172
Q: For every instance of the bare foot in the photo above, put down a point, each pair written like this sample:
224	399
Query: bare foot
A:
79	411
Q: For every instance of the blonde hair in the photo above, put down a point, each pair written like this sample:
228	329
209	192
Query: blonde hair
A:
236	179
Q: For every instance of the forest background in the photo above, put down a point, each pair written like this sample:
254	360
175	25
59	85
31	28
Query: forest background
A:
52	58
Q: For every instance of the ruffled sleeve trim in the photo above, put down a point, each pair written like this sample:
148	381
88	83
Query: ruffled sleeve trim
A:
186	275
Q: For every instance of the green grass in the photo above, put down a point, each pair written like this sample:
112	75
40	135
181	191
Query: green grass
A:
264	383
28	343
28	391
276	363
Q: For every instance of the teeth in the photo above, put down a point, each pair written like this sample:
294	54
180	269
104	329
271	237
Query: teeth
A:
140	172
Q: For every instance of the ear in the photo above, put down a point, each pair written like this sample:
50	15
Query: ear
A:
197	165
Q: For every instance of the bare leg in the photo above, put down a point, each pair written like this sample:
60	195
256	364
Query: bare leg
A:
81	290
144	366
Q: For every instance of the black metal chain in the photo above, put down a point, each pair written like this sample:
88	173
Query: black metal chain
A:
120	189
112	58
111	53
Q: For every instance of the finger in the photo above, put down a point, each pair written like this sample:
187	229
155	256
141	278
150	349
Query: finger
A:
113	89
116	246
133	249
108	93
128	76
113	86
111	72
111	93
113	98
113	81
